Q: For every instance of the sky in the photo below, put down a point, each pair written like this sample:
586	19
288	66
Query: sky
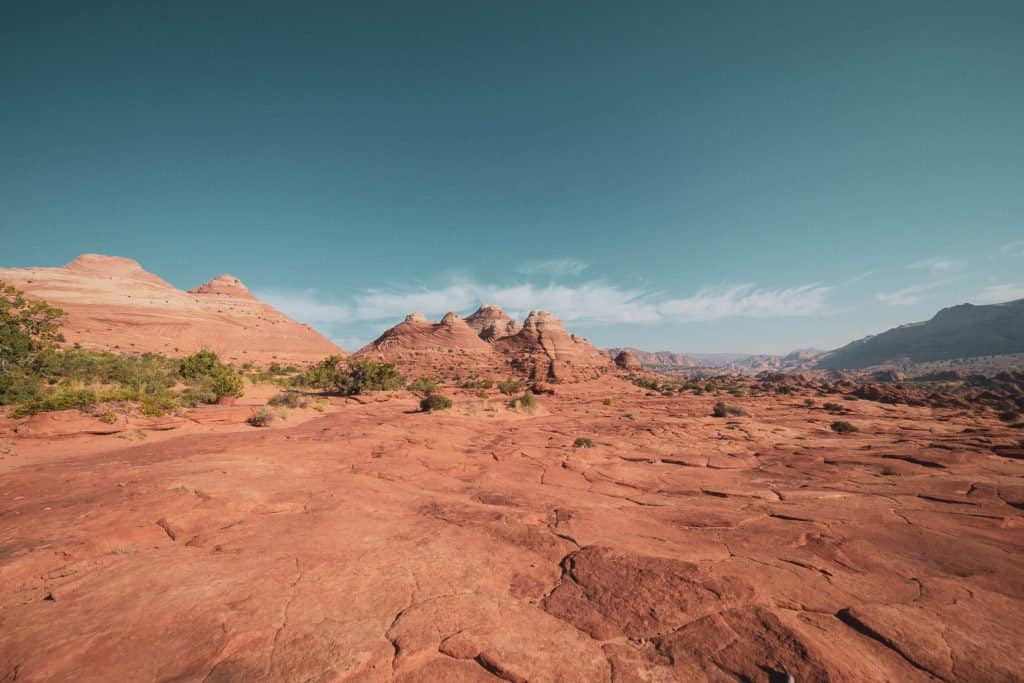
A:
698	177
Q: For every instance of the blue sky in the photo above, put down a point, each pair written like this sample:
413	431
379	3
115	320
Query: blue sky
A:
730	176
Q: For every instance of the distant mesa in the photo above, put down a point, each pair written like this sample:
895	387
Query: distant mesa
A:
114	304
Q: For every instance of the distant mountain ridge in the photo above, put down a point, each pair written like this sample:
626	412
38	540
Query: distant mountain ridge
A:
963	331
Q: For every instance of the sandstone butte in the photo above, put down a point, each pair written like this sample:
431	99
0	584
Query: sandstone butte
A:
359	539
113	304
488	344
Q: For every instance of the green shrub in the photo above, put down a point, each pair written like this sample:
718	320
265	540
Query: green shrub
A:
261	417
357	376
326	375
527	402
288	399
834	407
158	404
424	386
204	372
582	442
367	375
1009	416
842	427
433	402
809	402
480	384
725	410
62	399
510	386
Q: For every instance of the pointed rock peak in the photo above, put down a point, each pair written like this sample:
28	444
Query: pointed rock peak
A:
489	311
111	265
450	318
416	317
539	318
224	285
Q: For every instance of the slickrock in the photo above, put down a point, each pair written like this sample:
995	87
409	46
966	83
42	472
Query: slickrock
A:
113	304
374	542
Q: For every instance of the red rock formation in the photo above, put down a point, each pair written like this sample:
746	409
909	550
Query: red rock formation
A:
450	348
544	350
490	322
112	303
627	361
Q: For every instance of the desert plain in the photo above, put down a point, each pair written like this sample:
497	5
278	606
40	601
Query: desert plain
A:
363	540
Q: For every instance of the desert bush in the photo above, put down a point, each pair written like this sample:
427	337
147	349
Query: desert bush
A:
809	402
1009	416
366	375
433	402
606	401
510	386
843	427
288	399
725	410
425	386
833	407
261	417
480	384
333	374
527	402
209	377
583	442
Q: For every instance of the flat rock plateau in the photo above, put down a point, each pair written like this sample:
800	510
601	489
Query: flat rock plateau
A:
373	542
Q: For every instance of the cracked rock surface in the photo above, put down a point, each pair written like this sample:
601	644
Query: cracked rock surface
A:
373	543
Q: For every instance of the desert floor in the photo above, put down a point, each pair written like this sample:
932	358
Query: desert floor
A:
373	542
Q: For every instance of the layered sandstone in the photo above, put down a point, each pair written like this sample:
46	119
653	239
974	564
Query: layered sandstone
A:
490	323
545	351
112	303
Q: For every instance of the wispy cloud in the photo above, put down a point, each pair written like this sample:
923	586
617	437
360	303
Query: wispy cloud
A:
593	302
938	265
996	294
1015	248
553	267
909	295
306	306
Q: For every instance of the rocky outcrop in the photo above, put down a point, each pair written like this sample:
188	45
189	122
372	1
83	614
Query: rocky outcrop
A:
114	304
544	350
490	323
224	285
627	361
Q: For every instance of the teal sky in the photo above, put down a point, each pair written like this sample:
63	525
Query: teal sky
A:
726	176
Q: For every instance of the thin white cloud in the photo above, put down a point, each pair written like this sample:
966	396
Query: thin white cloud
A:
593	302
909	295
860	276
305	306
938	265
598	302
997	294
1015	248
553	267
